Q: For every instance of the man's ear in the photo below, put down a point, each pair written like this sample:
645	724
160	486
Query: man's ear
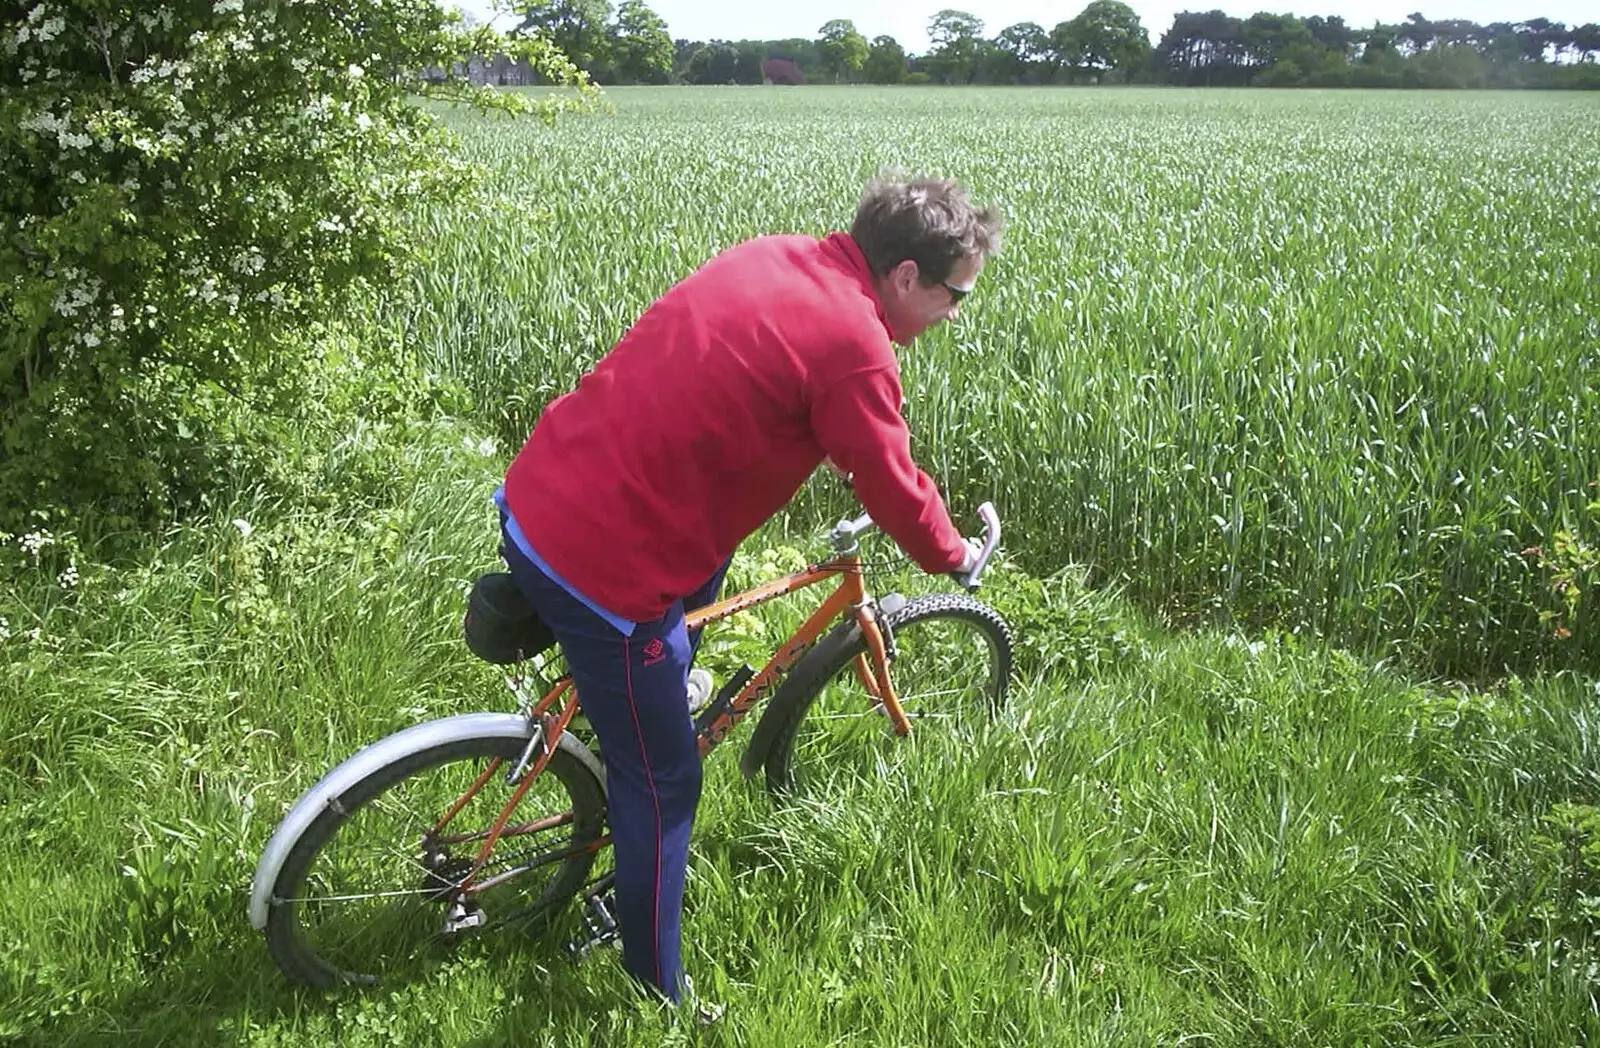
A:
905	274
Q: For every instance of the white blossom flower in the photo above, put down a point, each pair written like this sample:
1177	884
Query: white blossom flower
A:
35	541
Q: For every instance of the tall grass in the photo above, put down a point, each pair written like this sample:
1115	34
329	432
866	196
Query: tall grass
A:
1201	839
1316	360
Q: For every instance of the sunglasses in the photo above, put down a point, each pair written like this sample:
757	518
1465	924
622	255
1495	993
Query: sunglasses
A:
956	293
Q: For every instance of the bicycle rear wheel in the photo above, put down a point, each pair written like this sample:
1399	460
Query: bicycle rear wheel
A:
951	672
367	892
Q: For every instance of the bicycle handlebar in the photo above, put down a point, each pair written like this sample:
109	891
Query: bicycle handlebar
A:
846	532
991	539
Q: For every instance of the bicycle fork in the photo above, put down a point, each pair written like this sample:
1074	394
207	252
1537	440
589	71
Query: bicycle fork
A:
872	665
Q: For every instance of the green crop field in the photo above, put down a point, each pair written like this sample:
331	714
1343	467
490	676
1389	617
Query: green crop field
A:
1275	391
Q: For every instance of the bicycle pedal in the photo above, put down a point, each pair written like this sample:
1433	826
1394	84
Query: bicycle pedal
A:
463	915
722	701
599	919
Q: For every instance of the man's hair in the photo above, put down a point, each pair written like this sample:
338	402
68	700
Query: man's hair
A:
929	221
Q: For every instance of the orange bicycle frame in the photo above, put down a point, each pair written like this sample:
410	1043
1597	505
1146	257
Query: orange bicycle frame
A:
871	667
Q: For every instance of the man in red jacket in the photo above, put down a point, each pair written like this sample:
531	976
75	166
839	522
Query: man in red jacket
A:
629	498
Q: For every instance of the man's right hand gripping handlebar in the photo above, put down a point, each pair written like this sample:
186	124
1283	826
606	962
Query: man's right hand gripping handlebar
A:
979	549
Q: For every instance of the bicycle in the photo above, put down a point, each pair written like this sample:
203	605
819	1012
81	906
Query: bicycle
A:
456	861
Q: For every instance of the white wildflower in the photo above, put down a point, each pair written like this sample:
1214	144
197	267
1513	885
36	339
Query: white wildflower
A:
69	577
44	122
227	7
244	526
250	261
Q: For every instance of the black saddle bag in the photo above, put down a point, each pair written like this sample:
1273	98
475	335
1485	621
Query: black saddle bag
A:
501	627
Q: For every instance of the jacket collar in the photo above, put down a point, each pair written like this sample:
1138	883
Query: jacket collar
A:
850	253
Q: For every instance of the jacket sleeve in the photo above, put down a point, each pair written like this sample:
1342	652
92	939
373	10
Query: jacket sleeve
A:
857	421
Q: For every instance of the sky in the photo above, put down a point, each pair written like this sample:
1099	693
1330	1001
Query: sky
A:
907	22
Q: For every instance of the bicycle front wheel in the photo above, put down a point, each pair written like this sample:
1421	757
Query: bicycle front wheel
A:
951	672
369	891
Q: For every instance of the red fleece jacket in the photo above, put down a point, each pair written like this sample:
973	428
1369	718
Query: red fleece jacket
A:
708	416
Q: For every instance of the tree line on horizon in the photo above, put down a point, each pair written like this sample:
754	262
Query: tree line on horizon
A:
1105	43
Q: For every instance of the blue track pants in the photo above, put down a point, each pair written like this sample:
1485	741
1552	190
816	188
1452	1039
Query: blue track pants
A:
634	692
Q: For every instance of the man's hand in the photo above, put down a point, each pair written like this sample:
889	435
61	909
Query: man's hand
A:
969	560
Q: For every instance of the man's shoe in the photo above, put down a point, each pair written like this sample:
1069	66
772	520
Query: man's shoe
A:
700	690
705	1012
